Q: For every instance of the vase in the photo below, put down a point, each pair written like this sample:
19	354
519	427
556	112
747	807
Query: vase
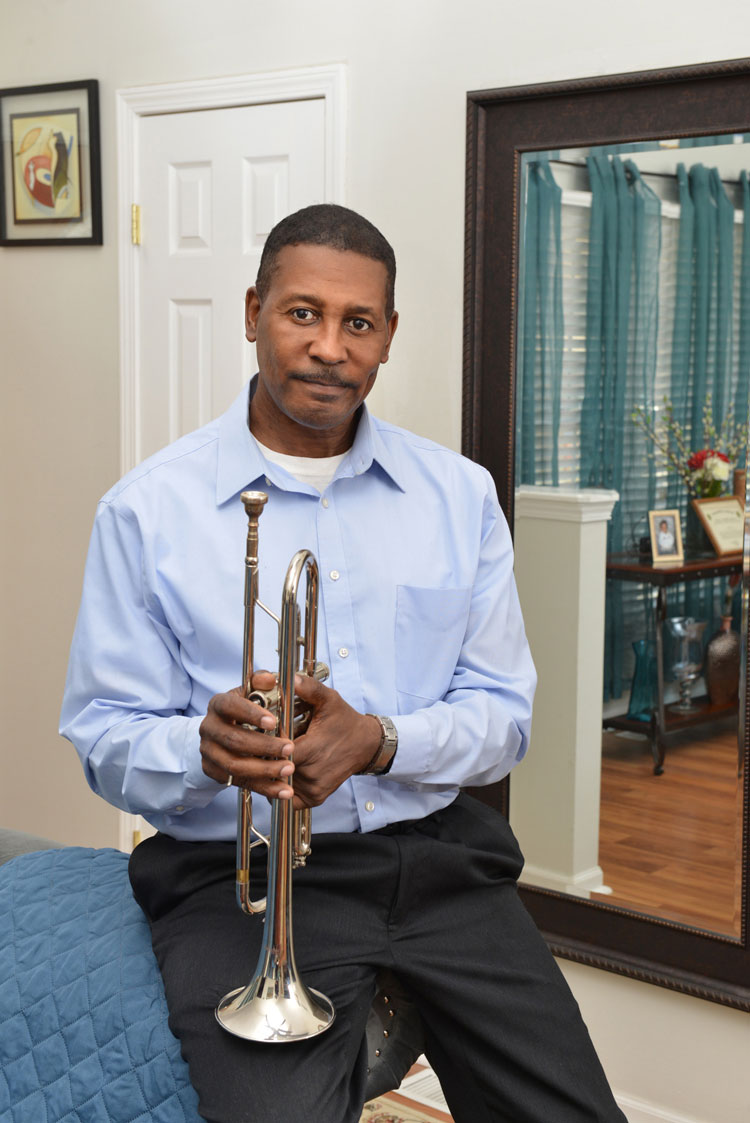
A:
723	665
643	690
687	658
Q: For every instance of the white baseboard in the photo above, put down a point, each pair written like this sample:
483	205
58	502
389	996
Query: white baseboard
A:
582	883
637	1111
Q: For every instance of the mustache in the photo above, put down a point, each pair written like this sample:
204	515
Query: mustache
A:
323	377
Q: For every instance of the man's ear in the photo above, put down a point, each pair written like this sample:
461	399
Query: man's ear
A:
390	332
252	308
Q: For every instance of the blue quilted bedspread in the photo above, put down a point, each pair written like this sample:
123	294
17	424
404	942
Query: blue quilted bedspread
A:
83	1018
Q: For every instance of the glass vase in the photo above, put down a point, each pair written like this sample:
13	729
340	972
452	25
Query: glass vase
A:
643	689
687	657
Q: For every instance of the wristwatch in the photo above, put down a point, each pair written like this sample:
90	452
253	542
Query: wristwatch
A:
383	759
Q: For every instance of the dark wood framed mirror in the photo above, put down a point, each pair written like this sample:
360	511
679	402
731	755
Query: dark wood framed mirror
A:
505	127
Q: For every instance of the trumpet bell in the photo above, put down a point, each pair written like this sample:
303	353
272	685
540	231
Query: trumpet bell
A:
274	1010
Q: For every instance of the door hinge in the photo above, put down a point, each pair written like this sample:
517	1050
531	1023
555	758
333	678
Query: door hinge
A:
135	224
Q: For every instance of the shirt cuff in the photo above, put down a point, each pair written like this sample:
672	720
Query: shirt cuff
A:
200	788
413	757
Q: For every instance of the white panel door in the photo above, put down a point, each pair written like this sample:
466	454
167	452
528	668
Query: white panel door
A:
211	184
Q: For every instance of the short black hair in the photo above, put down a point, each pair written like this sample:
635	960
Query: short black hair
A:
327	224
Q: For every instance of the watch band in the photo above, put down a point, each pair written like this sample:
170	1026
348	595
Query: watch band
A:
386	751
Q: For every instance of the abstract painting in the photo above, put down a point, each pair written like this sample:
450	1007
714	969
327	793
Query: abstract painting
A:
49	165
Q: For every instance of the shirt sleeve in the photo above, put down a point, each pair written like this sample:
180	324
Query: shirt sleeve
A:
127	692
480	729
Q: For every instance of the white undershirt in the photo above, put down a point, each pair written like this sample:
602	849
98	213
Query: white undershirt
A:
315	470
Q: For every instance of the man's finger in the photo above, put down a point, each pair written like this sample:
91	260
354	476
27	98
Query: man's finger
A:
233	706
269	778
309	689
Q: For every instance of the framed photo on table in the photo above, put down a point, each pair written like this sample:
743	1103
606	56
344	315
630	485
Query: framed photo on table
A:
723	521
666	536
50	171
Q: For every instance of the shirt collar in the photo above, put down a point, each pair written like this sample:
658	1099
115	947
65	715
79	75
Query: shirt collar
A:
241	463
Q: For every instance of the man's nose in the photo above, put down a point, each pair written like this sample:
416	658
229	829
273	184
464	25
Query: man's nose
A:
328	344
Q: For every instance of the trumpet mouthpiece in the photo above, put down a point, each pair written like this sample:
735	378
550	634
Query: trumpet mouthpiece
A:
254	502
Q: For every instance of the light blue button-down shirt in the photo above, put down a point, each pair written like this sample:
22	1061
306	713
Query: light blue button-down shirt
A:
418	619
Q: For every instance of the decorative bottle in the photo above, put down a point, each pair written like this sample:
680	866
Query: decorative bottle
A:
722	667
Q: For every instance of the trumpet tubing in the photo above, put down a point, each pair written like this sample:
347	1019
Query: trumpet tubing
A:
276	1006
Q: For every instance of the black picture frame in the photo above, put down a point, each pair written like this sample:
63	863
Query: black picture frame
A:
502	124
50	165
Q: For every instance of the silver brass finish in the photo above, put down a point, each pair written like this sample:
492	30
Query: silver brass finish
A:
276	1006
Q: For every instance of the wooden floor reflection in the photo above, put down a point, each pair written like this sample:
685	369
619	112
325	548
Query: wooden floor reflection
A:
670	845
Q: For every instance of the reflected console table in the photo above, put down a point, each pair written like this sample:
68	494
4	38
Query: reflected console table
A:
628	567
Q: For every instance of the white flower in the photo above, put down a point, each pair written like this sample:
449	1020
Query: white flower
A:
716	468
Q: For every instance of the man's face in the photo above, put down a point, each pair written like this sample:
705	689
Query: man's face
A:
321	333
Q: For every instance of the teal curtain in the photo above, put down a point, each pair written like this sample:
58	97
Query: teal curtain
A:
703	322
622	294
621	331
702	345
540	331
680	386
742	389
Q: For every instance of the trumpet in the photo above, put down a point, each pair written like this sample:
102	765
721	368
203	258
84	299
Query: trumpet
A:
276	1005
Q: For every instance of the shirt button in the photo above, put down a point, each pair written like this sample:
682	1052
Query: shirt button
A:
180	807
344	652
268	482
369	806
334	575
324	501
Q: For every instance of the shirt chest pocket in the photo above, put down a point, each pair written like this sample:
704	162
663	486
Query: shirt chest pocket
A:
430	630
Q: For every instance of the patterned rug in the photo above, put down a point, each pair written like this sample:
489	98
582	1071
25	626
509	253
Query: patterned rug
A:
389	1110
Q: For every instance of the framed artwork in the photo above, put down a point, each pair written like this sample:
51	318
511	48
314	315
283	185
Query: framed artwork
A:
666	536
723	521
50	171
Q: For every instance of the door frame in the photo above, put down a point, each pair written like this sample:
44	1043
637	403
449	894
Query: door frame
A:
132	104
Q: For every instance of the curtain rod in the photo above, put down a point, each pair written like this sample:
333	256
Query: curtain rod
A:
659	175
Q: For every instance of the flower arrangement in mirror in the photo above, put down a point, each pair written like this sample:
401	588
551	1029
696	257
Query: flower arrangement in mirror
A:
704	471
710	471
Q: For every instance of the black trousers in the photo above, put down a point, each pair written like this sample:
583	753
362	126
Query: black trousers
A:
435	900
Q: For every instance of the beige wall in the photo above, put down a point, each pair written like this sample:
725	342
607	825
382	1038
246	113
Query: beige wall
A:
410	63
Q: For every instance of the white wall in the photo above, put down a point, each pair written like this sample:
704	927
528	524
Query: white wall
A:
410	64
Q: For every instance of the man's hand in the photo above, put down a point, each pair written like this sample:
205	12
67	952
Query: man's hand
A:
254	760
339	742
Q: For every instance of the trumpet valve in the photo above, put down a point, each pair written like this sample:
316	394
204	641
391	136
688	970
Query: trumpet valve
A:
301	847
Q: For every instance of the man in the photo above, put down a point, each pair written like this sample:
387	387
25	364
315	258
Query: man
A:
430	690
665	538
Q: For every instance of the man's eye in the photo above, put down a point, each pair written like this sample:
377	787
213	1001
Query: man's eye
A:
303	315
359	324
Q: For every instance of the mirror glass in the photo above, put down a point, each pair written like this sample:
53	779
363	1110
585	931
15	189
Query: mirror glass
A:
633	336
